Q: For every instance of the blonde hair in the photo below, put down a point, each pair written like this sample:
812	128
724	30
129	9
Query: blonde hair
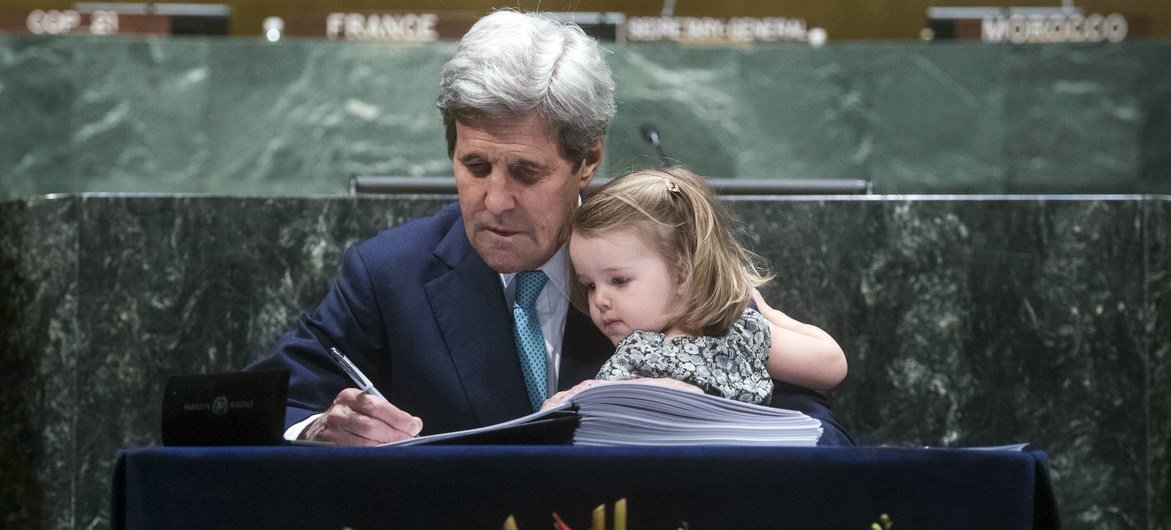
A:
676	212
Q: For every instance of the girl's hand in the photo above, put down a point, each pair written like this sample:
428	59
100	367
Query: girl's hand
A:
564	395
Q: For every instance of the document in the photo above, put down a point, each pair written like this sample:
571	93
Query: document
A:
642	414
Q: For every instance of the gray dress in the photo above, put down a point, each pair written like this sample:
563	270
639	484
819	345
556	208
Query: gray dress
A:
732	366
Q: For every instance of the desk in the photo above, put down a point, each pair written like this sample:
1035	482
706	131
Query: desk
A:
478	487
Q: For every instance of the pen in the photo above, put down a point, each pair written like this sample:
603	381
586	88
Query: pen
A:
355	374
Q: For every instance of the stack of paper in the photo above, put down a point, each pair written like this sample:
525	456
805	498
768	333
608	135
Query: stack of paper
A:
641	414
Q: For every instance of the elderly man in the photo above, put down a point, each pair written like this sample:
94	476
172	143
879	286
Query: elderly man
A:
426	309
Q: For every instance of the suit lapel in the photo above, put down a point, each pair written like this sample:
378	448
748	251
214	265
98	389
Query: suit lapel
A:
583	350
469	308
480	340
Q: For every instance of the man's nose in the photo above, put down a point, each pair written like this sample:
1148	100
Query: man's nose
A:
499	197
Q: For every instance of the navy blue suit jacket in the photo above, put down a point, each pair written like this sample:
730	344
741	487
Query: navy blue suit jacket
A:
422	315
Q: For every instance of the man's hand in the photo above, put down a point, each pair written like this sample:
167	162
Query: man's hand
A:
358	418
563	395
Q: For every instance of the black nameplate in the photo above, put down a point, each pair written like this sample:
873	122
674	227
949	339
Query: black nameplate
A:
242	408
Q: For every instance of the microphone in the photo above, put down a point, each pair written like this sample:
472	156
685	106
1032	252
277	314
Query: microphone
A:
651	134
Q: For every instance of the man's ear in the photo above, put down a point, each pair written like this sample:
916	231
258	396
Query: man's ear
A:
589	166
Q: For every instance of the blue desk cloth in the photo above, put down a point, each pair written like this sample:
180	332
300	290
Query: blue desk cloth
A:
479	486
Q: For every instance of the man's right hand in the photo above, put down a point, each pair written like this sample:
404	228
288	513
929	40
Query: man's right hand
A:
358	418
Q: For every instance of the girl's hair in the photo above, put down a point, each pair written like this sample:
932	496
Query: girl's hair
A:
678	214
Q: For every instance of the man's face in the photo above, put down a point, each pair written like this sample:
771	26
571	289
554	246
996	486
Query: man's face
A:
516	192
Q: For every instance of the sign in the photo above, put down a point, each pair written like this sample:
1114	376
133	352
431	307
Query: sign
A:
412	27
1025	25
1056	27
378	26
718	30
118	18
420	26
60	22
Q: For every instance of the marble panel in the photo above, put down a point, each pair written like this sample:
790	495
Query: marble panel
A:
686	95
178	285
248	117
1158	336
325	112
1074	119
937	118
966	321
805	113
973	323
138	118
40	340
36	90
1154	93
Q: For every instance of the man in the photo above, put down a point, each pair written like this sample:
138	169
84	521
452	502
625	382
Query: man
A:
423	309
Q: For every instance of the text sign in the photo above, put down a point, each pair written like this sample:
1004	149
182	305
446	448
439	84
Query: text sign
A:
60	22
1056	27
709	29
411	27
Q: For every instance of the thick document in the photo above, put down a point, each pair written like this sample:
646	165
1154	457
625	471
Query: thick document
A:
643	414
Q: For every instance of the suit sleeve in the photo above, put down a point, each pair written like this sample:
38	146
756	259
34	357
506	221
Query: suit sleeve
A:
348	319
816	405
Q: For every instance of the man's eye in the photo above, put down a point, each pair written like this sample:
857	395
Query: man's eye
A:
477	168
526	175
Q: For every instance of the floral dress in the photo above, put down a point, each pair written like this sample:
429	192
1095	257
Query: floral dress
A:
732	366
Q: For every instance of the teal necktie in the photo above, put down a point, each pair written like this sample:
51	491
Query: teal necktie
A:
530	343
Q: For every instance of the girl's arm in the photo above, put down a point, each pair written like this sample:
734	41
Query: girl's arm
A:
801	354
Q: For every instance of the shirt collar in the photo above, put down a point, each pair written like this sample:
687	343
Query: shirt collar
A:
557	269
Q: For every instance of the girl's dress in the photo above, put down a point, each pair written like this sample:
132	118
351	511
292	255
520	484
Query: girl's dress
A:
732	366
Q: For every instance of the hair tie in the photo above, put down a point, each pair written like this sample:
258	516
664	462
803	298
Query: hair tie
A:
671	186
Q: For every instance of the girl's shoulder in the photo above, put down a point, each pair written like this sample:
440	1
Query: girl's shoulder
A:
753	329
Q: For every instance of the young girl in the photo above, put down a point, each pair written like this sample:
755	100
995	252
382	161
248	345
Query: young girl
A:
662	275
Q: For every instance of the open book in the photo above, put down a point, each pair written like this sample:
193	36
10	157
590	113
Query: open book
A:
642	414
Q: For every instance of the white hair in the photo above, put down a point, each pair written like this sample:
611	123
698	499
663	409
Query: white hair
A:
515	64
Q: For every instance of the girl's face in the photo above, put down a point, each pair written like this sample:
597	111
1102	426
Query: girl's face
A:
630	286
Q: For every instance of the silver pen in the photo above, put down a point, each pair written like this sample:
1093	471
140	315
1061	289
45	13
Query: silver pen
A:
355	374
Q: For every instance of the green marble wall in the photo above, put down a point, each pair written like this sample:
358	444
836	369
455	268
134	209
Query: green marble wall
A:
967	321
40	338
247	117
